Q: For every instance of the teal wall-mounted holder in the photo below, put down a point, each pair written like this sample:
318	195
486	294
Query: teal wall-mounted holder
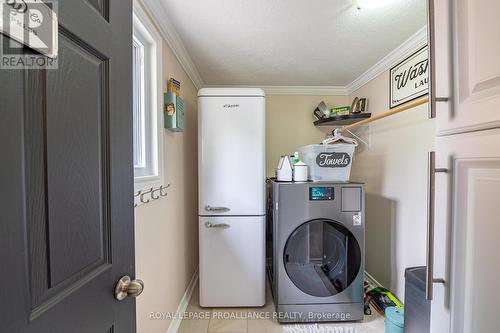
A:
174	112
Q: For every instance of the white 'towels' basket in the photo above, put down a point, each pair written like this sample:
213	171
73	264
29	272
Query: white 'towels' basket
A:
328	162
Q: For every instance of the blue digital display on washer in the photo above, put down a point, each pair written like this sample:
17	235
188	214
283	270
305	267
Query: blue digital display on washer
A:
321	193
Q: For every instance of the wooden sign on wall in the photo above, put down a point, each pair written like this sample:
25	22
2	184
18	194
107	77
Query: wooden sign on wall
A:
409	79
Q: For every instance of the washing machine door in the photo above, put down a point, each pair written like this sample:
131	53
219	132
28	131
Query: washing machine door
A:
322	257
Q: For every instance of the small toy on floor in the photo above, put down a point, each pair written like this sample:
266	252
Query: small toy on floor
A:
382	298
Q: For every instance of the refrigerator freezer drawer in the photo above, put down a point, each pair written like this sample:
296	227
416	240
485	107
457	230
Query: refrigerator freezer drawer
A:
231	155
232	261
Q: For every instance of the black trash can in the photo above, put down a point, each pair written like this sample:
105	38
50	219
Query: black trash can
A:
417	308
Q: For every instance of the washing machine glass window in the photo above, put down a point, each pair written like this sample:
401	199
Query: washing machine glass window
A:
322	257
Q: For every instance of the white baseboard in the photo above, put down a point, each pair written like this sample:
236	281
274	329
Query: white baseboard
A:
183	304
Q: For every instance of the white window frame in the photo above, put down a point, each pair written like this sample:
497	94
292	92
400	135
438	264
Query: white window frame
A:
144	32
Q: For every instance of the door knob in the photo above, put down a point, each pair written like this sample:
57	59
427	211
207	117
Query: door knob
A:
128	287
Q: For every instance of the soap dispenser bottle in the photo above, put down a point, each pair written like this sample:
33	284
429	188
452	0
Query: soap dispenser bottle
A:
299	169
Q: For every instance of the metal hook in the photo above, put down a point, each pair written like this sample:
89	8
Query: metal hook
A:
164	188
136	194
142	196
152	194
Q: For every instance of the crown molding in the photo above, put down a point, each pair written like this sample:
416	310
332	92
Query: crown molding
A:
294	90
413	43
167	30
305	90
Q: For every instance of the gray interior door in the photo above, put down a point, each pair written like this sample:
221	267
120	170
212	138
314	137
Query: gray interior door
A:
66	229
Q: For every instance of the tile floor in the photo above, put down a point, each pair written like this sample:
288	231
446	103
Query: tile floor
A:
256	320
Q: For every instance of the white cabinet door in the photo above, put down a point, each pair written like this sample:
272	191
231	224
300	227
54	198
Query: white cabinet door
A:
467	234
232	261
475	41
231	156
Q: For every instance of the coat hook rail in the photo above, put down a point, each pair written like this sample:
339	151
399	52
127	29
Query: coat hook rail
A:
151	194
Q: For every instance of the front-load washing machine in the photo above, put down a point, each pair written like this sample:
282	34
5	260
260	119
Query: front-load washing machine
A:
317	250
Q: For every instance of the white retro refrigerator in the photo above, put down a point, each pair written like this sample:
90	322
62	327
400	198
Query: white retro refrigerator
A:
231	162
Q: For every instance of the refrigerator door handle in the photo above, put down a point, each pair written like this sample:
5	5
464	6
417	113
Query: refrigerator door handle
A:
216	209
217	225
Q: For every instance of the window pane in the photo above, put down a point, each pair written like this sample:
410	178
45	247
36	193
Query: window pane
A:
138	105
147	107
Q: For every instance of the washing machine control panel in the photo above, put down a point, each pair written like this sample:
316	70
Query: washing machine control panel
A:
318	193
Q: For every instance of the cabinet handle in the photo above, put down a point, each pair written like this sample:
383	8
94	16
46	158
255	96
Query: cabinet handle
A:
216	225
431	193
216	209
432	61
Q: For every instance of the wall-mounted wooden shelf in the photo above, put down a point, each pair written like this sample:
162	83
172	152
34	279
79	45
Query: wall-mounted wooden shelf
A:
342	120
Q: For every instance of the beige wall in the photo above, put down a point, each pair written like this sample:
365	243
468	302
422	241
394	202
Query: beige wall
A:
166	230
394	169
289	124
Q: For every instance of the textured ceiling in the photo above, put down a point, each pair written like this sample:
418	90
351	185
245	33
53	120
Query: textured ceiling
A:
291	42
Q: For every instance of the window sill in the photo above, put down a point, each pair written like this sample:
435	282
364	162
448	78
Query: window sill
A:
146	182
